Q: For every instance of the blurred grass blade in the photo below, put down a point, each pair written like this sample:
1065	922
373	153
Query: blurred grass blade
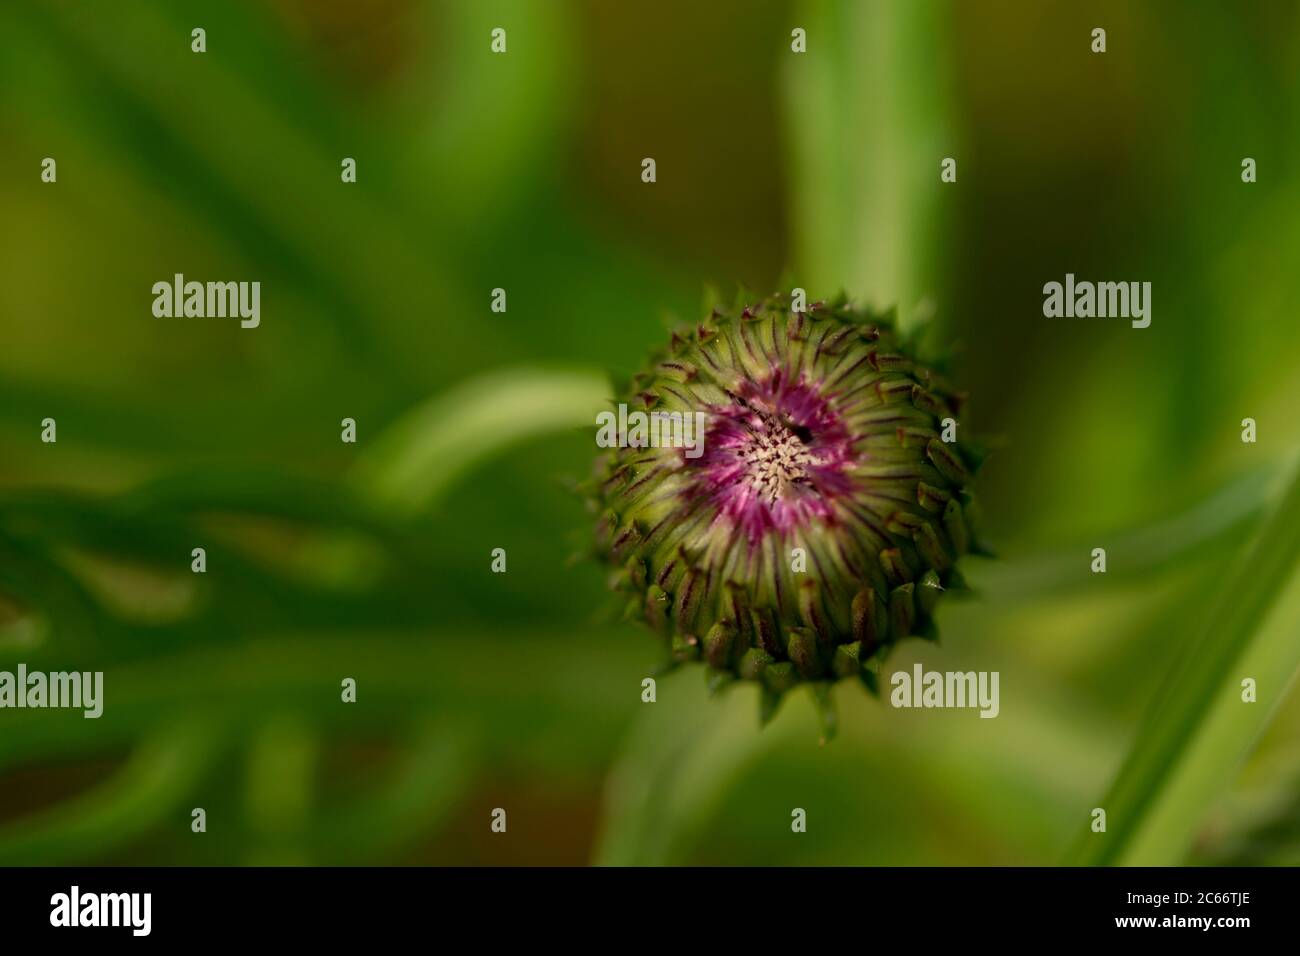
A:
413	798
677	771
1199	730
164	768
1225	517
282	761
868	125
418	457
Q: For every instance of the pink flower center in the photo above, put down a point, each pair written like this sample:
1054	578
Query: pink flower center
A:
775	458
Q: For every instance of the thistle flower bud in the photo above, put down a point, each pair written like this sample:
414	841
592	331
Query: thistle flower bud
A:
816	520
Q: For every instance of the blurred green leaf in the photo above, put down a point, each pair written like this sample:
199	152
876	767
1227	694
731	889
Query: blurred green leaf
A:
1198	730
1221	519
540	685
417	795
161	771
409	467
676	771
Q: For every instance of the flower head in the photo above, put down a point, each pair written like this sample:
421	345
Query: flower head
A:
823	515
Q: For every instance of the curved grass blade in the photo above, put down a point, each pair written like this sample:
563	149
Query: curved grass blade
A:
418	457
153	783
1199	729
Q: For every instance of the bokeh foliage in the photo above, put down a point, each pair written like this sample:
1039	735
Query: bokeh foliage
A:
522	171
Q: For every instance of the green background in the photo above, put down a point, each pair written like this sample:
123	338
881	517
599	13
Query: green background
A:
522	171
